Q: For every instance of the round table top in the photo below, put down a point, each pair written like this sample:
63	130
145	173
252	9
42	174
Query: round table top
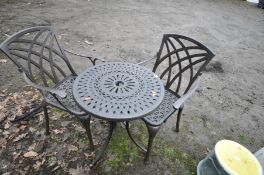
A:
118	91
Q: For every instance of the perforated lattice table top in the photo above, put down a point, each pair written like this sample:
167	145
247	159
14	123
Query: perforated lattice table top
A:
118	91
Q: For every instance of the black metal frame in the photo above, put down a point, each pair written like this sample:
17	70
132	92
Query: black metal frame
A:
168	74
19	48
175	67
261	4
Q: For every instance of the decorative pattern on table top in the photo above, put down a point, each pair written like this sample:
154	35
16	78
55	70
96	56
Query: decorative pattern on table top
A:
118	91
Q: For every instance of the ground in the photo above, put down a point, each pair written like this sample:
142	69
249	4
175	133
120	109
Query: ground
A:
228	105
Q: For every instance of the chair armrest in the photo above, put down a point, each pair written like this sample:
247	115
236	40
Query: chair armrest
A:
60	93
186	96
91	58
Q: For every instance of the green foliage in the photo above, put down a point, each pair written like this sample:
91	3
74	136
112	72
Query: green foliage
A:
52	161
58	138
244	138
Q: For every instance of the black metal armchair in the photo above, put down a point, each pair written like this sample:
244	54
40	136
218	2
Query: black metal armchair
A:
42	60
179	63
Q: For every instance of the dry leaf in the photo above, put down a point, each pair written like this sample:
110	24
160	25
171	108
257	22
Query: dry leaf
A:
58	131
37	165
32	147
31	129
72	148
66	136
17	155
54	169
3	60
20	137
6	133
87	155
87	42
13	135
80	129
79	171
30	154
7	125
7	173
3	142
2	116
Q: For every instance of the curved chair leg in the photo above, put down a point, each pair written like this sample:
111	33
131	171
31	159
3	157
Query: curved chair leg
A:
99	155
152	131
178	119
86	124
130	135
45	109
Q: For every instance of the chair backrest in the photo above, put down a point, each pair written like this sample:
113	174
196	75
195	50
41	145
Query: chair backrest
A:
180	61
37	52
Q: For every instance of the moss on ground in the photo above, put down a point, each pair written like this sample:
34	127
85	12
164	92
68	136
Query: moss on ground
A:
122	152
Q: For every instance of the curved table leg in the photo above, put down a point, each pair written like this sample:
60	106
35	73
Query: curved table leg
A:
152	131
101	152
130	135
87	125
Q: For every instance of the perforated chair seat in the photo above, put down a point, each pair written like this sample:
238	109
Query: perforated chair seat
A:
68	102
164	111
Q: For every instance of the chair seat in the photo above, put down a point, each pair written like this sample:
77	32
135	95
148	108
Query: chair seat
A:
68	101
164	111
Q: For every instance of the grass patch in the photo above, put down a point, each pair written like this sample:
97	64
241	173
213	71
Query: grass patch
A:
244	138
51	161
122	152
58	138
174	158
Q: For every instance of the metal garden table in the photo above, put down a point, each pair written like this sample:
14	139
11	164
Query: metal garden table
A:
117	92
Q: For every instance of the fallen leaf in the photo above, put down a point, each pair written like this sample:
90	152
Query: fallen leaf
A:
6	133
17	155
13	135
31	129
37	165
3	142
7	125
2	116
6	35
79	171
32	147
87	42
80	129
55	117
66	136
72	148
54	169
30	154
65	123
58	131
20	137
87	155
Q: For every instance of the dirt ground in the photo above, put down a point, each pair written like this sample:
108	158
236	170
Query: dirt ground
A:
229	103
